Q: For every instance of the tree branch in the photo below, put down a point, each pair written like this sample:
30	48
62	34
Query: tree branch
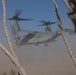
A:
5	29
13	59
11	54
63	35
66	3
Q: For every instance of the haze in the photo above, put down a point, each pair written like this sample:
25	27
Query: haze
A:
39	60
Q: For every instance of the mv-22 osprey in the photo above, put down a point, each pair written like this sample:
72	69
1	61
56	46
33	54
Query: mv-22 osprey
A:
34	37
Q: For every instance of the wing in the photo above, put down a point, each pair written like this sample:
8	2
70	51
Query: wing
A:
29	31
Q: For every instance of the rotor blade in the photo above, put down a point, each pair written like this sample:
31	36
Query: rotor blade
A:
19	19
44	25
8	19
47	24
53	22
41	25
18	12
16	17
42	21
24	19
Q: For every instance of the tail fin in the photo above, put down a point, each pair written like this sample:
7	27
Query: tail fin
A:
15	30
70	30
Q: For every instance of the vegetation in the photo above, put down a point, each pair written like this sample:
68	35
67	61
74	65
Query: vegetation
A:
11	54
11	72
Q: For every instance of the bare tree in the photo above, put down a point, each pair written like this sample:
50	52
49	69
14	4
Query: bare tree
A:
4	73
71	5
12	72
70	51
10	53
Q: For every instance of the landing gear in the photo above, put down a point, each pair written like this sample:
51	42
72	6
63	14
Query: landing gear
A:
37	43
46	44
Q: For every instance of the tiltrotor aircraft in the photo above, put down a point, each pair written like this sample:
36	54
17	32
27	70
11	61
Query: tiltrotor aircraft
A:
34	37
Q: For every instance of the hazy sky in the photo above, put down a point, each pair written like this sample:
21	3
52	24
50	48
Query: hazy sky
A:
38	60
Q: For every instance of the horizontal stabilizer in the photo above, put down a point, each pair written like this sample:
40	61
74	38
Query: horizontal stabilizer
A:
70	31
